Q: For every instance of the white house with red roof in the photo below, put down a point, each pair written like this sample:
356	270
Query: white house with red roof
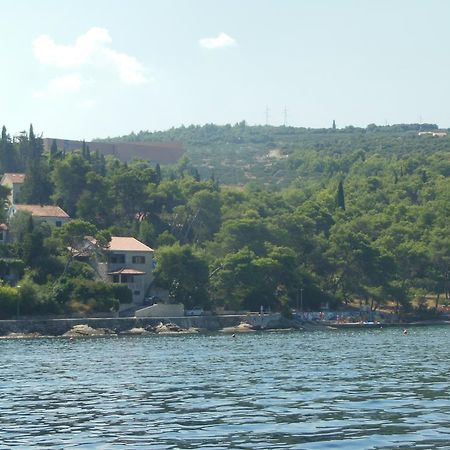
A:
130	262
51	214
14	182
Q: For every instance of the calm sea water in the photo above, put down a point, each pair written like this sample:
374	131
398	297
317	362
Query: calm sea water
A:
352	389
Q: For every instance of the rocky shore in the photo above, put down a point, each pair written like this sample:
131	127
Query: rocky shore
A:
88	327
79	328
87	331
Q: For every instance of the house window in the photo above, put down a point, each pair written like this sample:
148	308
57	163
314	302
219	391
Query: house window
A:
58	223
127	279
123	279
1	236
136	292
116	258
138	259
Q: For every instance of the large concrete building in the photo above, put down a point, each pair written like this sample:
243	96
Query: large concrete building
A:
155	152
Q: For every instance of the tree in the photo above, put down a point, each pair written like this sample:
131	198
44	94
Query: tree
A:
9	300
158	177
95	203
340	201
7	153
184	273
36	188
69	178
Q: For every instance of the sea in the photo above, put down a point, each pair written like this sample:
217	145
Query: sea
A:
328	389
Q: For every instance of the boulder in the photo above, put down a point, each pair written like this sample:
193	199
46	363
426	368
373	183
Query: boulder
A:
243	327
172	328
86	330
137	331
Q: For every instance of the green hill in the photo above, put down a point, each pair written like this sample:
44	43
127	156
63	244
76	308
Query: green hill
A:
276	156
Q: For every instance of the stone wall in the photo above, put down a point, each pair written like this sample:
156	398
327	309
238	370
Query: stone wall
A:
161	310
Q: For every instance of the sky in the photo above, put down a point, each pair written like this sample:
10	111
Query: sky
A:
90	69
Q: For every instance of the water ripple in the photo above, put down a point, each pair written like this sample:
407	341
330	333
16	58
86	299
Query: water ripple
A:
352	389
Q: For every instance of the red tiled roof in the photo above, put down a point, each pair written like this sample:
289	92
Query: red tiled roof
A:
43	210
127	244
126	271
14	178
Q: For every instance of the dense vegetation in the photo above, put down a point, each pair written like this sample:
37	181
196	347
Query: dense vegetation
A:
253	216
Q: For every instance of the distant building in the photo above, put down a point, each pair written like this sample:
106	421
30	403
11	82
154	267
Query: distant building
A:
433	133
53	215
155	152
14	182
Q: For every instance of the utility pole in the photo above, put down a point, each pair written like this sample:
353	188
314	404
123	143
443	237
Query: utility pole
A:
285	116
301	299
267	115
18	304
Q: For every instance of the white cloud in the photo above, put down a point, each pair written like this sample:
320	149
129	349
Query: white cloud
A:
129	68
221	41
66	83
91	48
72	82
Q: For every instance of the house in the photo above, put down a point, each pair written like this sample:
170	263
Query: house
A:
53	215
128	261
14	182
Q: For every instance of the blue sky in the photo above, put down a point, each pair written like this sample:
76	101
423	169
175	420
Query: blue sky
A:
85	69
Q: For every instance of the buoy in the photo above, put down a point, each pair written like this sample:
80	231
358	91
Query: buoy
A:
233	335
405	331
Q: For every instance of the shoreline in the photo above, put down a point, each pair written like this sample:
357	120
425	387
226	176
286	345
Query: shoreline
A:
131	326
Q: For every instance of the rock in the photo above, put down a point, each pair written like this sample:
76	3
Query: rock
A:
21	335
137	331
172	328
86	330
194	330
167	328
243	327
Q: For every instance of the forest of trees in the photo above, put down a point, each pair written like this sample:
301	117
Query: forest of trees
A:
345	215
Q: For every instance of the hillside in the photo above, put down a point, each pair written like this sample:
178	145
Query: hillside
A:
353	215
275	156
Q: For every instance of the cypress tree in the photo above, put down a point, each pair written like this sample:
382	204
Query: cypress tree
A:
158	173
83	150
53	150
340	199
36	187
7	153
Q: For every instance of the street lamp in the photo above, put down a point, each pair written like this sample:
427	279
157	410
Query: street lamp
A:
18	303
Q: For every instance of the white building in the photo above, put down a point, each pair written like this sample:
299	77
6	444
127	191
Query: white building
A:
14	182
53	215
130	262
